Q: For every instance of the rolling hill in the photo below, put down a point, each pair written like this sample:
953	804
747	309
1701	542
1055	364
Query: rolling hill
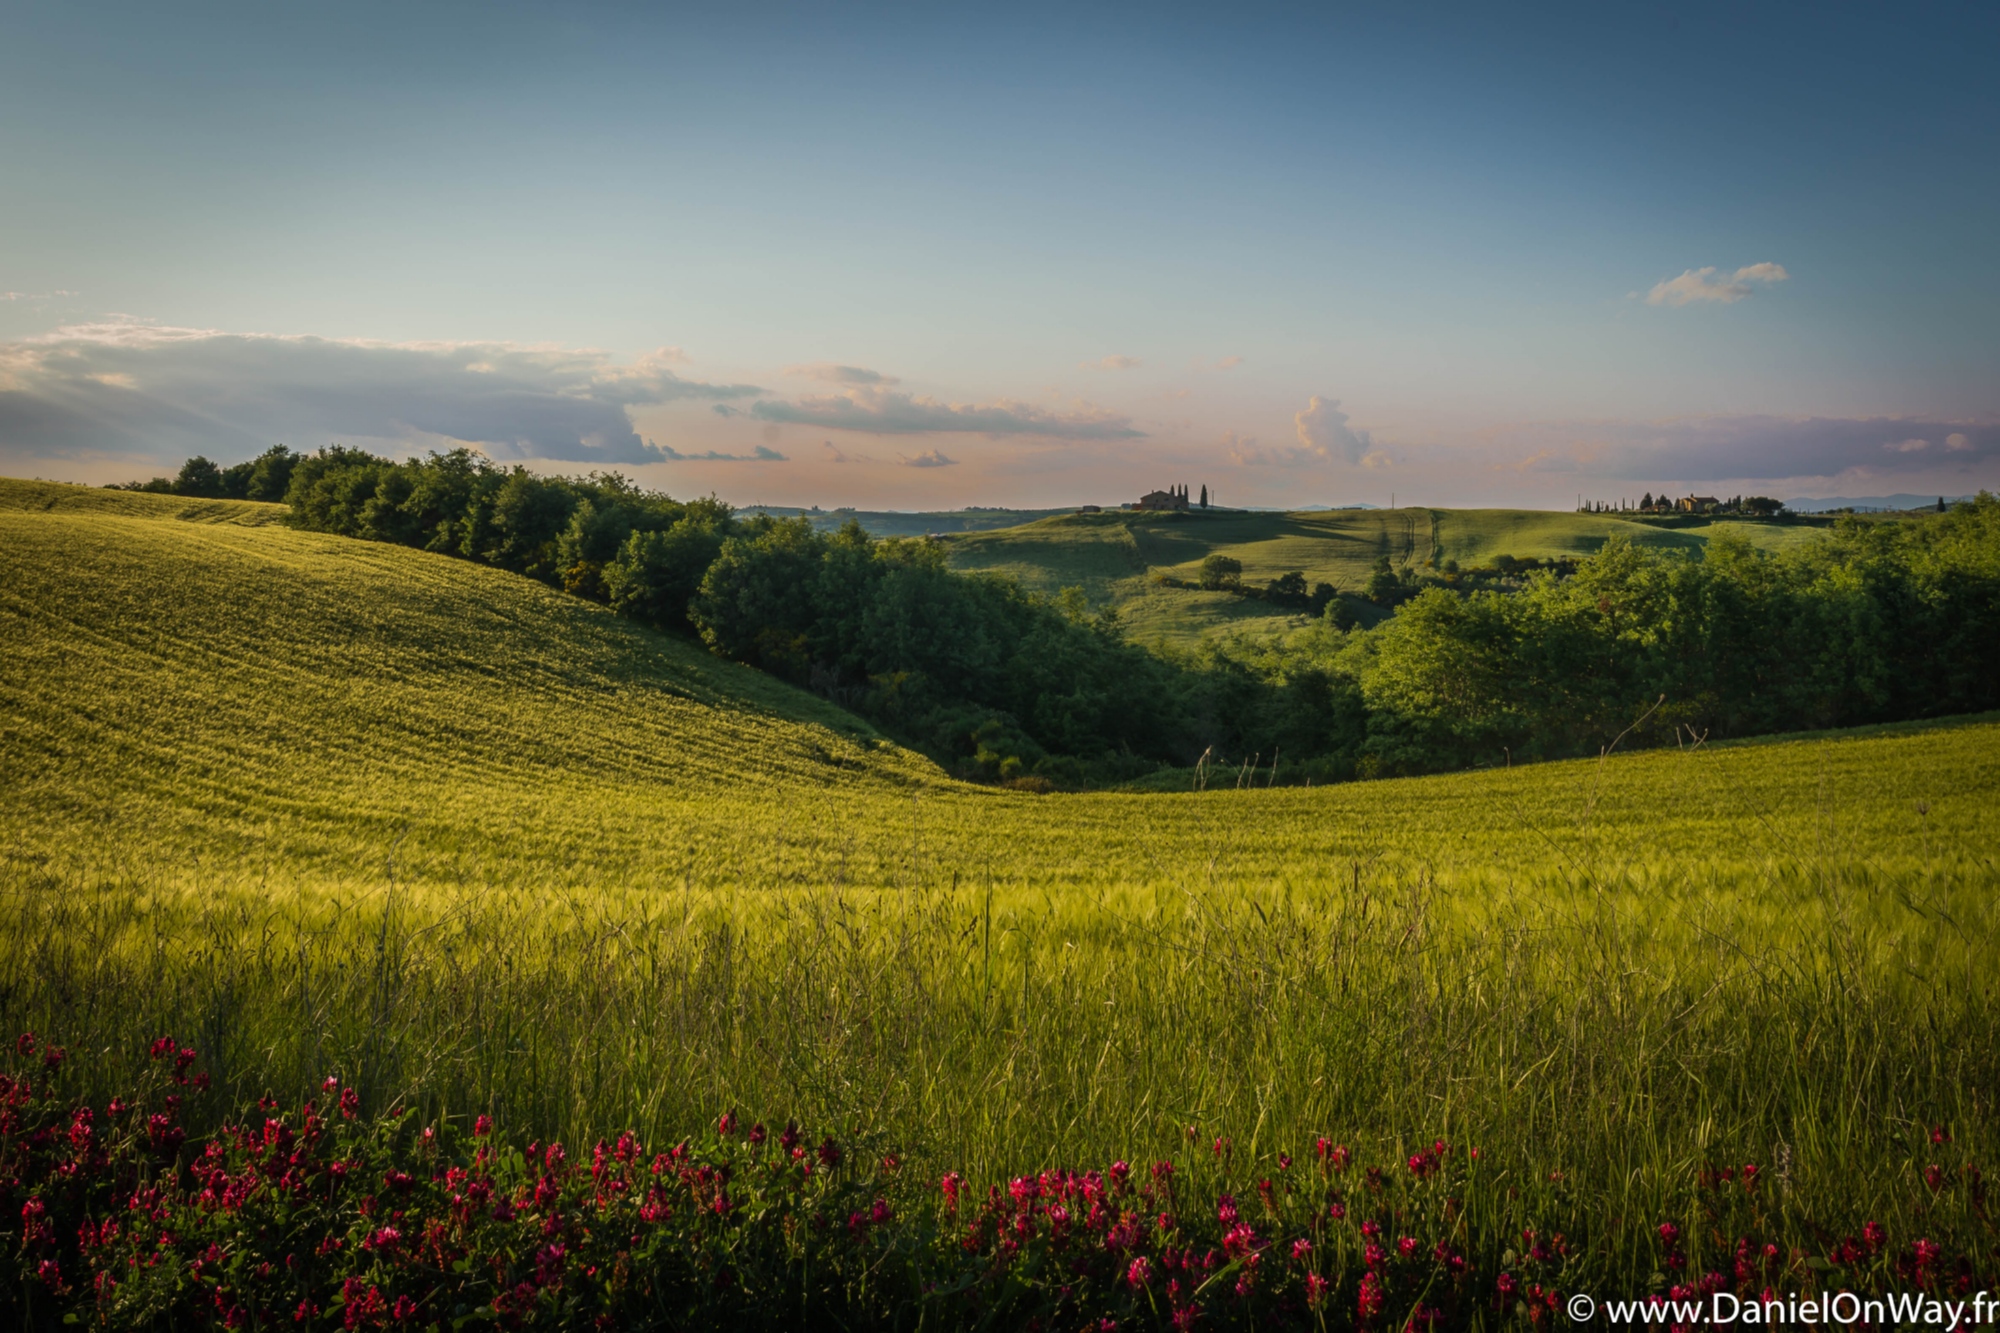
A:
1112	556
195	684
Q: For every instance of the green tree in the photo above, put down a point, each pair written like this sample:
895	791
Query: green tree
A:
655	575
201	479
1221	572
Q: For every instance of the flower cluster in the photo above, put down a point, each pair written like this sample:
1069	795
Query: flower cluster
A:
325	1216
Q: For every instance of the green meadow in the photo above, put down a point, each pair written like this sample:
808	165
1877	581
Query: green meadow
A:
323	805
1115	556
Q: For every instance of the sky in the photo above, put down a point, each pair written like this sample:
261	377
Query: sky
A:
937	256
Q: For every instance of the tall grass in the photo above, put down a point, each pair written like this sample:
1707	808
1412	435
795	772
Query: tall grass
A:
1600	1036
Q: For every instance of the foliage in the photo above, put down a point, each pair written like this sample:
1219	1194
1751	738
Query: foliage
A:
1538	658
1221	571
266	478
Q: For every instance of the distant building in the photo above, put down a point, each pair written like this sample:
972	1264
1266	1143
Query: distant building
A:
1174	497
1698	504
1091	509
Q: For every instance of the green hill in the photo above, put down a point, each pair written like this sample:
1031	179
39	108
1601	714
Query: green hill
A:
1112	556
193	678
186	682
325	805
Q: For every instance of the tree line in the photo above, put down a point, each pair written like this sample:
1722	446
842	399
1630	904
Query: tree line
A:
1865	622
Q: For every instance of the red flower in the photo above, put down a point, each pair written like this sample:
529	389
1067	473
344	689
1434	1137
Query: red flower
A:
482	1126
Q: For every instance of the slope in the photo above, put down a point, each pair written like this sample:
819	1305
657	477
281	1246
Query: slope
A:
197	678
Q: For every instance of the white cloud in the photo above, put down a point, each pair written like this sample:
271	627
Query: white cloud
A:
1907	446
34	296
139	389
1324	432
832	374
1957	442
881	411
1112	362
1702	285
928	458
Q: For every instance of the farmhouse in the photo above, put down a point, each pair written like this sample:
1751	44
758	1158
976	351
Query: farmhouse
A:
1174	497
1698	504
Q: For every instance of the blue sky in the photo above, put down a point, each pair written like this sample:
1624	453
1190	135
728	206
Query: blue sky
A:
946	256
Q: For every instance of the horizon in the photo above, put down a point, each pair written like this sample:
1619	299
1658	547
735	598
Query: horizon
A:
914	262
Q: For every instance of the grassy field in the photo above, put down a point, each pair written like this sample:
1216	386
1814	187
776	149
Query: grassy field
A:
1113	556
325	805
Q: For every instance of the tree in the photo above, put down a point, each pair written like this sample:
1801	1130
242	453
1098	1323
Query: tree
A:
1384	585
655	575
1287	588
199	478
1220	572
1204	497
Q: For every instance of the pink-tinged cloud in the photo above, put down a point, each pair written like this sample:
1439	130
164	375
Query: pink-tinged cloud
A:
880	411
928	458
829	373
1701	285
1749	447
1324	433
1113	362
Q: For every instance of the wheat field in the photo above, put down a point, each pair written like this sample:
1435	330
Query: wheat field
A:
325	806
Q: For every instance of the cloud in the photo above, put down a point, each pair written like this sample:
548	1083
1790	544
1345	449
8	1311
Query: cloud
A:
123	388
1324	433
1701	284
760	454
1229	363
928	458
1113	362
1752	448
1244	451
881	411
34	296
832	374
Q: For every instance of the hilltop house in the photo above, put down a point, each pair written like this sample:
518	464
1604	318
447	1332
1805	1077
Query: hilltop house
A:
1174	497
1699	504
